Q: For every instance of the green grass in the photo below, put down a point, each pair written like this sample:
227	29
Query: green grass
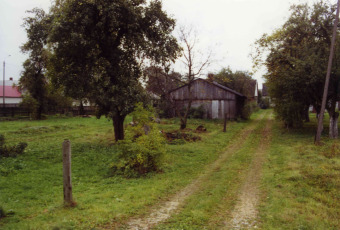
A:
31	184
301	185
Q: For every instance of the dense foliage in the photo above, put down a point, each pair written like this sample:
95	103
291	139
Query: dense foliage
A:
33	78
143	150
100	49
297	63
240	81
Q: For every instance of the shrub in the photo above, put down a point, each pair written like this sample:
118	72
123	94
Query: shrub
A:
264	103
31	104
248	109
197	113
142	151
11	151
140	156
2	212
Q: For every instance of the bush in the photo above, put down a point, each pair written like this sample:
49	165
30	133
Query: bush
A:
11	151
248	109
143	150
264	103
2	212
197	113
140	156
31	104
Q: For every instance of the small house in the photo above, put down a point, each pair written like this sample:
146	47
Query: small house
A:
11	93
218	101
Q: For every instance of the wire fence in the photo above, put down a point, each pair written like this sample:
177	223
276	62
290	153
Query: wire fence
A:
14	110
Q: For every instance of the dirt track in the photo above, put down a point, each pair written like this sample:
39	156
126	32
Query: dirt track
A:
244	214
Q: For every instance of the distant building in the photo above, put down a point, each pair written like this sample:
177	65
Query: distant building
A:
12	94
264	91
254	91
217	100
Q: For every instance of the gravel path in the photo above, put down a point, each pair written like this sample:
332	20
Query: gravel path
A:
245	213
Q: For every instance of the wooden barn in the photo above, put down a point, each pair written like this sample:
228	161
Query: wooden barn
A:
217	100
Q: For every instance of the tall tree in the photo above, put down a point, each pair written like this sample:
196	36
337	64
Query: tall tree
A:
160	81
101	46
297	62
240	81
33	77
194	62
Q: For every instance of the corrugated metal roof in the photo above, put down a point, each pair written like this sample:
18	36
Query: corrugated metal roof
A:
10	91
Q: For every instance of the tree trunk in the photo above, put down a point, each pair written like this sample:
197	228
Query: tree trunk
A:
307	115
39	112
317	117
183	124
333	125
186	114
118	125
81	108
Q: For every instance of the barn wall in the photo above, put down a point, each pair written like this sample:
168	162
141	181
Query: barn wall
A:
214	109
216	101
202	90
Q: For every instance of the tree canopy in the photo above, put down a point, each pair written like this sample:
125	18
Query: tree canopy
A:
297	62
33	78
100	49
240	81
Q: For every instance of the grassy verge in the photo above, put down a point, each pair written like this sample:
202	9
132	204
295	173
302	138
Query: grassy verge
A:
301	181
31	184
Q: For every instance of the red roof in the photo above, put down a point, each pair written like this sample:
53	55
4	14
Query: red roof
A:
10	91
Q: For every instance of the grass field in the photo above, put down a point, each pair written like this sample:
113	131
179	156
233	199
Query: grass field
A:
299	188
31	184
301	184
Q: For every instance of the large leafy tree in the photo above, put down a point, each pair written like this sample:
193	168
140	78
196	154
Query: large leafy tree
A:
240	81
297	62
100	48
33	78
160	81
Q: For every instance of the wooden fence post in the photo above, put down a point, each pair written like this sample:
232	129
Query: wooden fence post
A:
67	171
225	123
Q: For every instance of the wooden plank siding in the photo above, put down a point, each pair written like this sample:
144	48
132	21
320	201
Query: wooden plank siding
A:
215	99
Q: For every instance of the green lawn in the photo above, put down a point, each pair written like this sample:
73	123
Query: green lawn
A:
300	185
31	184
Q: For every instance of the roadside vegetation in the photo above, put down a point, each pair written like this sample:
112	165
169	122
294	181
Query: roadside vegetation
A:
301	181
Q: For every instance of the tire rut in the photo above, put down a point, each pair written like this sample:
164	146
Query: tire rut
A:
164	210
245	212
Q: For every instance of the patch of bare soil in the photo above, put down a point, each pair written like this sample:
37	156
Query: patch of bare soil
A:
245	213
164	210
181	135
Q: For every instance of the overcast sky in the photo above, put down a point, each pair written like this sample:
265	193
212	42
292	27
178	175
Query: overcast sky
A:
228	27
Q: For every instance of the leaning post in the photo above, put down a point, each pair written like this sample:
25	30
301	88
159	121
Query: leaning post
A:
67	172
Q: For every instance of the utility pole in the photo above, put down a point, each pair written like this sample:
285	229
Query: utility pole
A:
329	68
3	85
